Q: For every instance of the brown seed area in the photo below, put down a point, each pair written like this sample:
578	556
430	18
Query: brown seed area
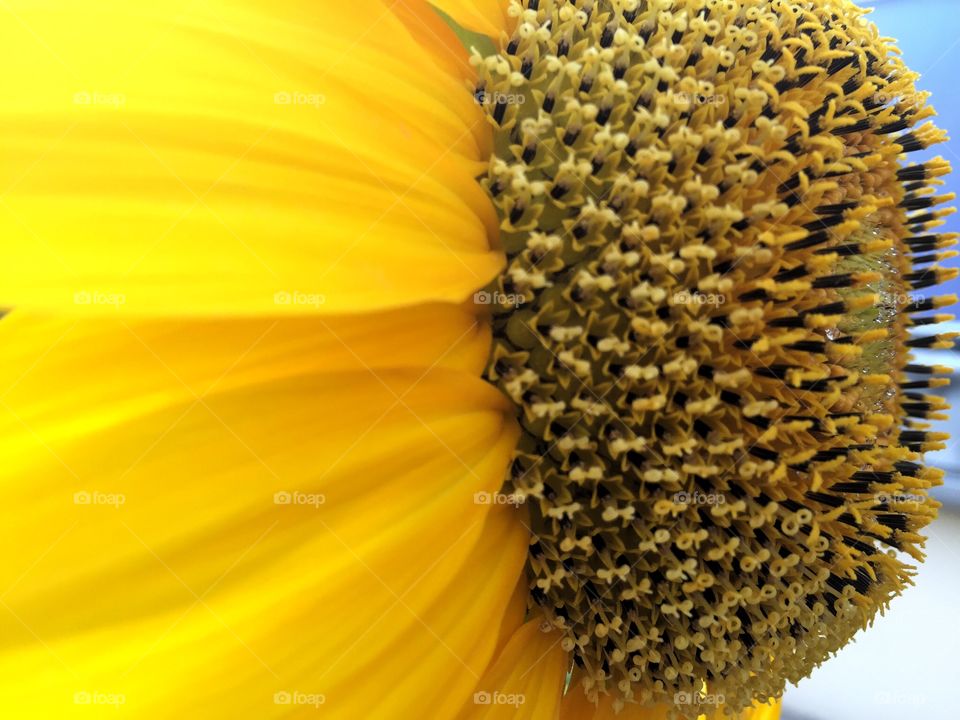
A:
716	253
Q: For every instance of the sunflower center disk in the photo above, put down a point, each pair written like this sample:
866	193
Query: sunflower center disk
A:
704	323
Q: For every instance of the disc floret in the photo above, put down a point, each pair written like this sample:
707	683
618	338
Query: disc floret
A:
716	253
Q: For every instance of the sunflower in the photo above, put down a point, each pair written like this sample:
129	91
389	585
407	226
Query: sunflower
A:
541	359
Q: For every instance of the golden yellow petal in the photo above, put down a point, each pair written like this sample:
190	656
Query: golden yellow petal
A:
516	612
759	711
763	711
237	157
526	680
576	706
246	518
484	16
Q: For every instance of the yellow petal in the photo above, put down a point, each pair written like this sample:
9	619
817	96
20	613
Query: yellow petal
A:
238	157
153	364
576	706
759	711
272	522
516	613
526	680
433	32
763	711
484	16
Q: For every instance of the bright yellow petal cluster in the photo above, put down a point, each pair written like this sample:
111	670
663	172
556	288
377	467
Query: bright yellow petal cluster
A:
231	157
225	493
